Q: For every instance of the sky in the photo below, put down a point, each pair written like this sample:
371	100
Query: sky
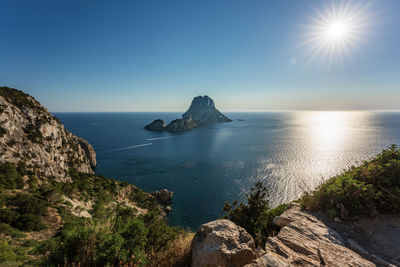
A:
76	56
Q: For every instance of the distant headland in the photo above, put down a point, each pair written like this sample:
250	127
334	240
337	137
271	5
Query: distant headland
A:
202	111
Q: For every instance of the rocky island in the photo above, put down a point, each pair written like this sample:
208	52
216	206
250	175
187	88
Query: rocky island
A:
202	111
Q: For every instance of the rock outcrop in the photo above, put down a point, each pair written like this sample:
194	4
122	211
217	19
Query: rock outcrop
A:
31	136
181	125
222	243
202	111
157	126
304	240
164	196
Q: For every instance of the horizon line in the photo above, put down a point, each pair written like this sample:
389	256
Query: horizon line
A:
244	111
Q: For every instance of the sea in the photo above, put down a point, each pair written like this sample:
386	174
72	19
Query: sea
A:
291	152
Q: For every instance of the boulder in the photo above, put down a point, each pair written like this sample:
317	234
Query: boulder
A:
222	243
163	196
157	126
270	259
305	240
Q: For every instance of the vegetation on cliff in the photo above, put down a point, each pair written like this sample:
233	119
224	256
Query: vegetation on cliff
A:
115	233
255	215
372	187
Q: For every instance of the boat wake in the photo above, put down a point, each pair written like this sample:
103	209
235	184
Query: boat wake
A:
128	147
158	138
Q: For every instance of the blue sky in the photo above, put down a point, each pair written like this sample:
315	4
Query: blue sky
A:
157	55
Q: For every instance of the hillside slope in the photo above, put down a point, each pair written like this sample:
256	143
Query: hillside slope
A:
54	210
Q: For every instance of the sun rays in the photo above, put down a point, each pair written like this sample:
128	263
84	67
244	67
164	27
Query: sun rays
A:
333	33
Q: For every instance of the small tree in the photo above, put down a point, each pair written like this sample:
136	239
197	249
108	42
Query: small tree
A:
255	216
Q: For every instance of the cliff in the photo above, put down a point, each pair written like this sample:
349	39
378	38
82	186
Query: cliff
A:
51	201
202	111
32	136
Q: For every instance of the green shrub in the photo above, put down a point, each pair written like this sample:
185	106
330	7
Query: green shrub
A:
33	133
255	216
363	190
8	216
29	222
10	178
27	203
11	231
97	244
6	252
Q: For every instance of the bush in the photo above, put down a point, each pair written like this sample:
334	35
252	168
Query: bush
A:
10	178
33	133
11	231
29	222
359	191
27	203
6	252
8	216
255	216
97	244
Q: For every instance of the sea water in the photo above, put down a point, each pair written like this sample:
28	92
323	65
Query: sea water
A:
291	152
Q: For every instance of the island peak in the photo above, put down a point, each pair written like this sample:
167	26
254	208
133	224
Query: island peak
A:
202	111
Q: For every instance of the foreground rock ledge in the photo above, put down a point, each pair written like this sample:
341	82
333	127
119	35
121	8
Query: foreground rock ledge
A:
304	240
222	243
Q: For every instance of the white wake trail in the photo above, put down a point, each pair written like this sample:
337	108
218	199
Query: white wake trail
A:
129	147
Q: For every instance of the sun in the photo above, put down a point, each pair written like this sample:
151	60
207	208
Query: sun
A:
335	31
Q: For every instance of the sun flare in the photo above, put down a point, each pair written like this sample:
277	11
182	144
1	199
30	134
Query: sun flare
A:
333	32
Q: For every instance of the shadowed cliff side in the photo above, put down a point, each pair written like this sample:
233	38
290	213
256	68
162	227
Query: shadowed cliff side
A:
202	111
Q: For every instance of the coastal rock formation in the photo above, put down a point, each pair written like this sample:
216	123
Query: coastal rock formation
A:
31	136
304	240
181	125
202	111
157	126
222	243
163	196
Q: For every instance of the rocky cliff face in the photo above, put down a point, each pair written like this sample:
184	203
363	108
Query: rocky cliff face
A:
31	136
181	125
202	111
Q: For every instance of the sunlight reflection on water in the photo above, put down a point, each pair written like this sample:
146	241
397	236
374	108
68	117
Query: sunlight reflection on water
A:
290	151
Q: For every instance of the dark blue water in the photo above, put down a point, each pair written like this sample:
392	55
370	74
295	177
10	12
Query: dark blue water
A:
290	151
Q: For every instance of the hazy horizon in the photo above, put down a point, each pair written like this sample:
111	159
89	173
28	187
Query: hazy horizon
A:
156	56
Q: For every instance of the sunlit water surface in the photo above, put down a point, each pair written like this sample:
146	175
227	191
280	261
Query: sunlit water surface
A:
291	152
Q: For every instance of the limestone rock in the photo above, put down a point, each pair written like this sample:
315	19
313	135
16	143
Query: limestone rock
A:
270	259
157	125
304	240
32	136
222	243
